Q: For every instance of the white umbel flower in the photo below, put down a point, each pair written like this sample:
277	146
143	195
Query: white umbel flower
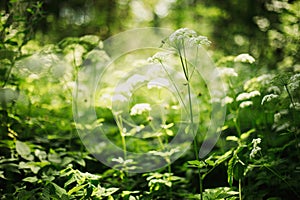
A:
246	104
245	95
139	108
268	98
244	58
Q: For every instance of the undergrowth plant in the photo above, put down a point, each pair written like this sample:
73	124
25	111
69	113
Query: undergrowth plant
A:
43	158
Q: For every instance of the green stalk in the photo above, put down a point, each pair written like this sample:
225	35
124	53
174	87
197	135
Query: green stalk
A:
185	70
240	189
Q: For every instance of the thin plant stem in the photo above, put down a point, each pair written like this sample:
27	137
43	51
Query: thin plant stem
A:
185	70
240	189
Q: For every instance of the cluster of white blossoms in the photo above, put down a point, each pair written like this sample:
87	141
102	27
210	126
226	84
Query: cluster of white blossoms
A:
256	82
158	57
158	83
182	33
274	89
247	95
139	108
295	105
255	148
294	82
191	35
268	98
244	58
227	72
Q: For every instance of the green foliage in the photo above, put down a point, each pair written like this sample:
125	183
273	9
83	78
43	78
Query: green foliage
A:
42	157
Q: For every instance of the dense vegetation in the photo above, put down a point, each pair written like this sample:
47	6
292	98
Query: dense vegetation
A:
48	49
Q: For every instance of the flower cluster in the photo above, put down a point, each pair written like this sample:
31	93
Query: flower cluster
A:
294	82
255	148
227	72
182	33
246	104
268	98
244	58
139	108
199	41
158	57
245	95
190	35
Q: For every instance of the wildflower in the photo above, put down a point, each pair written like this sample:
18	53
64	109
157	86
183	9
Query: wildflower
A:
138	109
277	117
257	82
119	97
255	148
268	98
274	90
199	41
244	96
295	105
227	100
182	33
158	83
294	82
158	57
246	104
244	58
136	78
227	72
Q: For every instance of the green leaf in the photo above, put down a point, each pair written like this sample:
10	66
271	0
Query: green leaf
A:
247	134
231	164
59	190
238	171
76	189
196	163
23	150
232	138
32	179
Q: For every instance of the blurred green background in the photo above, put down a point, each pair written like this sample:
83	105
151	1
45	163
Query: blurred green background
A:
267	29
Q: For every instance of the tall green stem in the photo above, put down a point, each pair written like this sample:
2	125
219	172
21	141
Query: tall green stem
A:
186	73
240	189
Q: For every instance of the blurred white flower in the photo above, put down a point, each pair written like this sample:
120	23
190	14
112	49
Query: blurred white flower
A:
119	97
277	117
158	83
268	98
245	58
138	109
227	72
136	78
228	100
199	41
182	33
245	95
158	57
294	82
274	90
255	148
295	105
246	104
